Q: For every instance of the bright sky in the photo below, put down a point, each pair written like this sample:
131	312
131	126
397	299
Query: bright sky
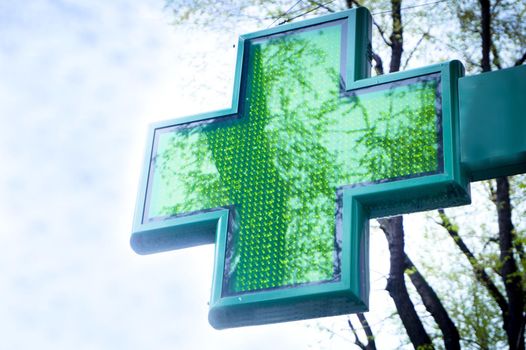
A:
79	83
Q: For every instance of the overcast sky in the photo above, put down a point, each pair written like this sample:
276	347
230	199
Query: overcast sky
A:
79	83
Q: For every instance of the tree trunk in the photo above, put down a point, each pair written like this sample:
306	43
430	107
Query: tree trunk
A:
397	36
395	235
514	320
393	227
485	34
434	306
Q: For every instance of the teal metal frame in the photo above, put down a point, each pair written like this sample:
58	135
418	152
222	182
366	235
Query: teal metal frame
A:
350	293
493	123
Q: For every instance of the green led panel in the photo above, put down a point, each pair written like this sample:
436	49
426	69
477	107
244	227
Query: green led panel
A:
285	181
280	163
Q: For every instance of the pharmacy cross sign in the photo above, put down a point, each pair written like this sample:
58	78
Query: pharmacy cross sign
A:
286	180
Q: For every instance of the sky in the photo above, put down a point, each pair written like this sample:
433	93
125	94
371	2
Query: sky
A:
79	83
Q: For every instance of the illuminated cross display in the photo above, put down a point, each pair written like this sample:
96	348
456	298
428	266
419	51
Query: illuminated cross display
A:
285	181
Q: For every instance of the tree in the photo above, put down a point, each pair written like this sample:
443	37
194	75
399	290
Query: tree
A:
510	245
496	25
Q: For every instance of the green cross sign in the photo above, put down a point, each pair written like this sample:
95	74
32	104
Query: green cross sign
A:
286	180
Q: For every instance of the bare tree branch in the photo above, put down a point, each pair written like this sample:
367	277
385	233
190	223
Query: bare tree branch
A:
457	49
496	57
306	12
356	339
424	35
480	274
382	33
379	65
514	320
350	4
371	345
321	5
521	60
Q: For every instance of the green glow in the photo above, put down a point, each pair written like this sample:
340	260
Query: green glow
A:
281	162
